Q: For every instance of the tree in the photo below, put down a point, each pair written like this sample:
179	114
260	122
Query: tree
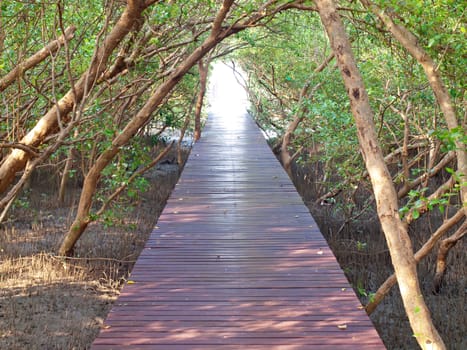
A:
418	152
203	69
398	240
217	34
58	114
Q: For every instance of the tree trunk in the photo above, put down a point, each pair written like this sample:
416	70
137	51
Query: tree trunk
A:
17	159
65	176
186	123
286	158
90	182
410	42
398	240
203	68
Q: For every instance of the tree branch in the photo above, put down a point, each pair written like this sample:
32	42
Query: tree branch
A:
32	151
37	58
132	177
421	253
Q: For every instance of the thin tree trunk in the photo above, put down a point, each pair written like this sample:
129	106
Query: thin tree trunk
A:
441	190
17	159
65	176
183	132
398	240
2	35
7	208
137	173
405	150
450	156
66	172
286	158
203	68
90	182
34	162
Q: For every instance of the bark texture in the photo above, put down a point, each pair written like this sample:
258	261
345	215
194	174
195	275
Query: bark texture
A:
203	68
443	252
397	238
286	157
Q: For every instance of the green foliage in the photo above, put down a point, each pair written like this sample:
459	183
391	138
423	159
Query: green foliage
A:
361	246
280	58
440	26
281	63
362	292
449	138
418	201
22	201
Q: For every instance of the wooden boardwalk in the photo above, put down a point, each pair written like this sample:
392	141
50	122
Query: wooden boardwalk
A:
236	262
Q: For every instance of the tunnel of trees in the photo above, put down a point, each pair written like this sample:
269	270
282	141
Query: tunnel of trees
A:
364	102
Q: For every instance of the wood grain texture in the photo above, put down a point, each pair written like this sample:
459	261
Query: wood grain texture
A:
236	262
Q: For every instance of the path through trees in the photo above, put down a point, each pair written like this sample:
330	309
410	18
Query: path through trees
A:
85	86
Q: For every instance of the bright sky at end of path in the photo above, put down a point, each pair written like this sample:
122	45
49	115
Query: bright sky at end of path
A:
226	94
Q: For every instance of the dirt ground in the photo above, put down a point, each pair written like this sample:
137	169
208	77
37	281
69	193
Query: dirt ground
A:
49	303
362	252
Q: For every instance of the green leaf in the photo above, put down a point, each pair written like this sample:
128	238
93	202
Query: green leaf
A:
449	170
441	209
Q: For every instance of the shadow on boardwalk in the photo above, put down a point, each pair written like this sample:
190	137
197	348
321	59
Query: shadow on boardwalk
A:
236	261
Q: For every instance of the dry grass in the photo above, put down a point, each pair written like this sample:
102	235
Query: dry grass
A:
47	302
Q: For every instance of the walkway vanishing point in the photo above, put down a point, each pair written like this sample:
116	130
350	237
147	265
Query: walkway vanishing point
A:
236	262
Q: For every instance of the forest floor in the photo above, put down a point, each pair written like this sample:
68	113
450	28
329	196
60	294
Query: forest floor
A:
49	303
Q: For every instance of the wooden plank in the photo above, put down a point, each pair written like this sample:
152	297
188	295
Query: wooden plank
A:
236	262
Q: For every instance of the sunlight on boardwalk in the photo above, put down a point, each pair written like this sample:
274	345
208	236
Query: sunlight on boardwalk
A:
236	261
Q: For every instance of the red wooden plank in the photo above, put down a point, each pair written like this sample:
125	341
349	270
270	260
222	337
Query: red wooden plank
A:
236	262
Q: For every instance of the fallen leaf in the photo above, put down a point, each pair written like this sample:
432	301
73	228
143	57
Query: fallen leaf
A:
342	326
131	282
